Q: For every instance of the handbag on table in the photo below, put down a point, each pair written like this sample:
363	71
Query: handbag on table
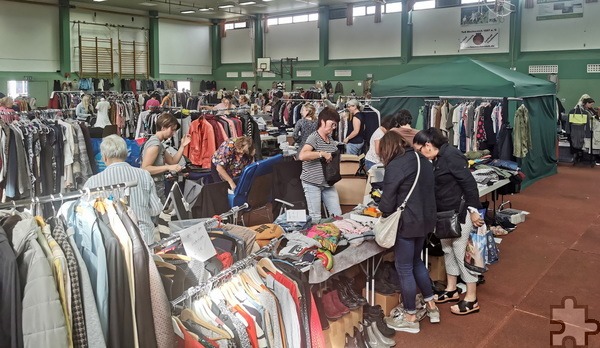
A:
386	229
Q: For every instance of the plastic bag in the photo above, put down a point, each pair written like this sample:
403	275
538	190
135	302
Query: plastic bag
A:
476	254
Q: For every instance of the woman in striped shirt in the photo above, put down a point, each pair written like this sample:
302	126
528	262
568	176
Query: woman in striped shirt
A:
319	147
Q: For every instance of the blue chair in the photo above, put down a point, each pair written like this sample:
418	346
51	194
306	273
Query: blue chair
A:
255	178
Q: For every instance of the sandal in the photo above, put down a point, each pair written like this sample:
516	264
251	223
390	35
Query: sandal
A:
466	307
448	296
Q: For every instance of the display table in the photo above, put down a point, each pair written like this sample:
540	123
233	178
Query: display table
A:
484	190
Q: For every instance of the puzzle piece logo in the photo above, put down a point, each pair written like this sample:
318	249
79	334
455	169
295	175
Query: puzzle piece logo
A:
574	322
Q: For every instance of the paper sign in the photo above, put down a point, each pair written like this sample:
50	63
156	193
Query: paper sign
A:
295	215
197	243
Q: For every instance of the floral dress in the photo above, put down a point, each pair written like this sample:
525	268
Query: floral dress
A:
233	162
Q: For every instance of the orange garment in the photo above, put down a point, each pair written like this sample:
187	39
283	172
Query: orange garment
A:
202	145
251	328
188	341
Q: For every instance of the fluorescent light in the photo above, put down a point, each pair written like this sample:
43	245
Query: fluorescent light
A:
226	6
247	3
205	9
187	11
98	0
267	0
147	4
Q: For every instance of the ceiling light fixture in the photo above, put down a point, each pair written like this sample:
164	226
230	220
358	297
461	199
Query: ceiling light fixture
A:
187	11
247	3
267	0
98	0
149	4
205	9
226	6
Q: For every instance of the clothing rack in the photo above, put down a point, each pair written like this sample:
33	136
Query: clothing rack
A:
175	237
478	98
236	267
69	196
26	113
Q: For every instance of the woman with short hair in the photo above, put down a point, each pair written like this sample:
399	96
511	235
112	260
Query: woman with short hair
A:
231	158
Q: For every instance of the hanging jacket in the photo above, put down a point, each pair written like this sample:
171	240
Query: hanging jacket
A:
339	88
11	334
43	317
522	133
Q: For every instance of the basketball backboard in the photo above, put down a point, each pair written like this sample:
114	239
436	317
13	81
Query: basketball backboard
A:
263	64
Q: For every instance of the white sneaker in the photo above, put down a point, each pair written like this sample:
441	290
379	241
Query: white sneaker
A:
400	324
434	315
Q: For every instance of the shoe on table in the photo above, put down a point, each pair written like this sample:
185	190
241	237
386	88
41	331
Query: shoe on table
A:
401	324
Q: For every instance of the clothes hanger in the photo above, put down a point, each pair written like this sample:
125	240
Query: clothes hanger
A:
188	314
266	264
203	306
176	328
165	265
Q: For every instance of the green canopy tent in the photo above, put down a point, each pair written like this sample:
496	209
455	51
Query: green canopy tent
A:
465	77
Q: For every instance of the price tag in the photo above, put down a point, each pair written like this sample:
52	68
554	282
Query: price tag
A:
298	215
197	243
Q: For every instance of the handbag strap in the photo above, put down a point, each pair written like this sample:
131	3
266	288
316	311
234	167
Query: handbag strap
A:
403	205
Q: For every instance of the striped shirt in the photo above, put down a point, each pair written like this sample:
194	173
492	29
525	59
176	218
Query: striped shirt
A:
142	198
312	171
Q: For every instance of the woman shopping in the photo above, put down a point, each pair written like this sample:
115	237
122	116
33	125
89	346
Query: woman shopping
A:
319	147
306	125
155	159
372	158
453	185
354	139
417	221
231	158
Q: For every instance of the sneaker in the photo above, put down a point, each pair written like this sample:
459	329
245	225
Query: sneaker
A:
433	314
400	324
399	311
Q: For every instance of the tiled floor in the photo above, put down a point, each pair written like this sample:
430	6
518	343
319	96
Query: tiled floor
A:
554	254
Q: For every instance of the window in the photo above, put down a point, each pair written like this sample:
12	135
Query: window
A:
392	7
313	17
272	21
184	85
301	19
424	5
17	88
358	11
240	25
370	10
286	20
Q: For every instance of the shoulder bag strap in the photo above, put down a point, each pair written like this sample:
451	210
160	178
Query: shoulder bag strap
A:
414	183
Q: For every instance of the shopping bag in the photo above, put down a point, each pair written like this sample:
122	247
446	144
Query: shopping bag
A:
476	253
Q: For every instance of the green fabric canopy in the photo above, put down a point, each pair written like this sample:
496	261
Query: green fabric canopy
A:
466	77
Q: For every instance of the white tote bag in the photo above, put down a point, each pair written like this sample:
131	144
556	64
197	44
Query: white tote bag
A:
386	228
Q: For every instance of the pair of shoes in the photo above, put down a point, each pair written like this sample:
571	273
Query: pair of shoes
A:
387	277
447	296
361	336
466	307
383	287
375	314
401	324
348	296
419	306
351	342
376	339
332	306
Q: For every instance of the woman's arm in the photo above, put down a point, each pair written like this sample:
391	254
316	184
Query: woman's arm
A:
150	155
356	124
458	166
308	154
376	145
225	176
297	131
174	159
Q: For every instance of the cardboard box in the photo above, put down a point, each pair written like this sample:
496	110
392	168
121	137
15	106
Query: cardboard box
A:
437	268
387	302
351	189
349	164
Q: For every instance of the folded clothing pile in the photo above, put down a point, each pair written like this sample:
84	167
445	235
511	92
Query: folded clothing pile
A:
328	235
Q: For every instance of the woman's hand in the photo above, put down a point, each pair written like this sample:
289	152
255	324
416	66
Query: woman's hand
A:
186	140
175	168
327	156
476	219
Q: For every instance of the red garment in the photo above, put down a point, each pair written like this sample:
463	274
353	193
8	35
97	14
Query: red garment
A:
152	103
251	328
291	286
202	145
317	339
226	259
188	341
238	126
133	85
220	135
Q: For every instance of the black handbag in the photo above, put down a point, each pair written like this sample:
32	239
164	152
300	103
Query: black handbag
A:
447	224
331	169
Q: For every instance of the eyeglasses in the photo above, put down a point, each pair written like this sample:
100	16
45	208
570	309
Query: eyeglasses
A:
418	149
332	125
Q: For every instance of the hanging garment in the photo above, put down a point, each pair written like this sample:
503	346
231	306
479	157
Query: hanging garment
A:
11	333
522	133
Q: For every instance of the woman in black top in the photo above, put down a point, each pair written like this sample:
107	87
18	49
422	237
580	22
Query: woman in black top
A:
356	128
453	181
417	221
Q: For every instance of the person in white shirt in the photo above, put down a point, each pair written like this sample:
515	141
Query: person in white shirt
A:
372	156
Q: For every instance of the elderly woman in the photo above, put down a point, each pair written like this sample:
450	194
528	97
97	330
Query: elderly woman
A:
143	199
453	183
231	158
320	146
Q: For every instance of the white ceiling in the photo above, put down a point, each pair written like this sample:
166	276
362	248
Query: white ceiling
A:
174	7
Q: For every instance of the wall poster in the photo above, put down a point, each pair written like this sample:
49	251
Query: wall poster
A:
481	38
556	9
473	15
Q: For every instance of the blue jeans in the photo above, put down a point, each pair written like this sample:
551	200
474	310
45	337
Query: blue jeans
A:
314	194
412	271
369	164
354	149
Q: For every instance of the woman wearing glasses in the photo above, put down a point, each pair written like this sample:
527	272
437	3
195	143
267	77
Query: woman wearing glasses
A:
319	147
356	128
453	183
